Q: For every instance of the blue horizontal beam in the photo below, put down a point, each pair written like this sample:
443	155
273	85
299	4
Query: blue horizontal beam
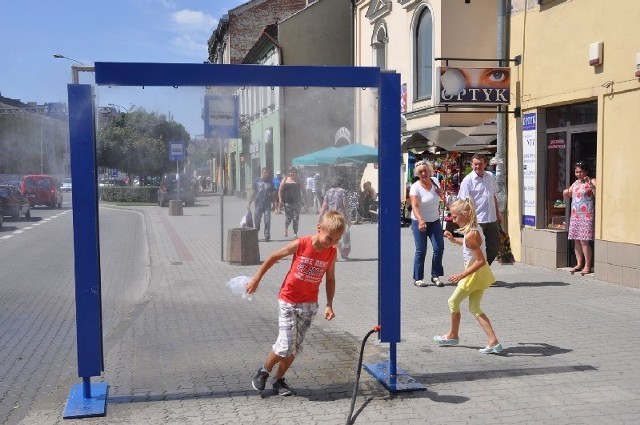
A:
185	74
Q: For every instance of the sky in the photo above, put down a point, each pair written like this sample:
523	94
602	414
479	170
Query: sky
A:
88	31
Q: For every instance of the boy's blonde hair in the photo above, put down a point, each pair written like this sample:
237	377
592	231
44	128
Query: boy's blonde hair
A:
333	221
467	208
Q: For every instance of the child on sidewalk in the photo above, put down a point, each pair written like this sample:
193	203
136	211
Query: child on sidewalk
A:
472	282
313	257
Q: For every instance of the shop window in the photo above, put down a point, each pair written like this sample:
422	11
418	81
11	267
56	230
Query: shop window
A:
555	204
557	117
584	113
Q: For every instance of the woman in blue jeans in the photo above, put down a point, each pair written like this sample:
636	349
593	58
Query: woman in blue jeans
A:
425	196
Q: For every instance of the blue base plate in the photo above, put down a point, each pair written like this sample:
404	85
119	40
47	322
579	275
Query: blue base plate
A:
80	407
401	382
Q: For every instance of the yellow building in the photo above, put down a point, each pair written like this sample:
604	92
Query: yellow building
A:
579	89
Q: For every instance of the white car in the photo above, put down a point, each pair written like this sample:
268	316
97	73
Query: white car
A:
66	185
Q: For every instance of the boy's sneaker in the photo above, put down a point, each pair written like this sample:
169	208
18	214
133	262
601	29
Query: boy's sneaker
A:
259	381
281	387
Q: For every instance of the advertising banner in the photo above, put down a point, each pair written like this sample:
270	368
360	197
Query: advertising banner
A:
529	142
473	86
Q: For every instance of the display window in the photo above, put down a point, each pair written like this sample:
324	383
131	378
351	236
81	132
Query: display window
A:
556	180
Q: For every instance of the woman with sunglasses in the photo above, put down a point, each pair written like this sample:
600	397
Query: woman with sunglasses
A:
290	197
581	221
425	195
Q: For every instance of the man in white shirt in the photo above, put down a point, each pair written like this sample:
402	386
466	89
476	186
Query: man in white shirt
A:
481	186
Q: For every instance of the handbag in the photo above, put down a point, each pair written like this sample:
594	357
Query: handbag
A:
505	256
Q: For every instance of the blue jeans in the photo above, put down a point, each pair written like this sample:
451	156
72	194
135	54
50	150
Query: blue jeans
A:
257	217
433	232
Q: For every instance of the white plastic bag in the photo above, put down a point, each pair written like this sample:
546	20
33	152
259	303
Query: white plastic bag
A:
238	286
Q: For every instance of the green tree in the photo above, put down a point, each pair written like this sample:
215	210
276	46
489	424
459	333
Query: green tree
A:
137	142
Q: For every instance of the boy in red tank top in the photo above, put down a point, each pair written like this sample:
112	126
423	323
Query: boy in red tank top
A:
313	257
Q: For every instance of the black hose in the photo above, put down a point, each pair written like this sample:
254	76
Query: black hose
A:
358	370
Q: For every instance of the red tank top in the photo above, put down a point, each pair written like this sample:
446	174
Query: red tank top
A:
302	283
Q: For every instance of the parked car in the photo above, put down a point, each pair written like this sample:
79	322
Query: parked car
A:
175	186
66	185
42	190
13	203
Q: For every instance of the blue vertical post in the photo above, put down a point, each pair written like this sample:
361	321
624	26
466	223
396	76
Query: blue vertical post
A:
389	294
86	399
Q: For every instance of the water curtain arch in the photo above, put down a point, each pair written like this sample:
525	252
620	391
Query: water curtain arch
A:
89	399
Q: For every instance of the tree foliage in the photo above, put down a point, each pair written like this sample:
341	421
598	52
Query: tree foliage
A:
137	142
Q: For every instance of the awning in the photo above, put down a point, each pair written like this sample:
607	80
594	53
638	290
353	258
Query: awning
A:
487	128
444	138
476	143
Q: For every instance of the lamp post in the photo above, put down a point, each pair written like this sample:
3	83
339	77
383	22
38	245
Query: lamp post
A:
75	69
59	56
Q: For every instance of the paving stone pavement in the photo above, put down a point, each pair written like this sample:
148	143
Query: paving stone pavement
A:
187	352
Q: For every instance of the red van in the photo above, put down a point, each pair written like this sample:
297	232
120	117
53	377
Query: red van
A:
42	190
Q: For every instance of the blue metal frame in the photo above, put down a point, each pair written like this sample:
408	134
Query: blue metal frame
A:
85	207
86	245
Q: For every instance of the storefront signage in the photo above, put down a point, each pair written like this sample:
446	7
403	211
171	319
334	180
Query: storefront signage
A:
473	86
556	144
529	141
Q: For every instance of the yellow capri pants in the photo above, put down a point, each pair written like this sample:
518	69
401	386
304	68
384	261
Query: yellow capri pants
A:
474	300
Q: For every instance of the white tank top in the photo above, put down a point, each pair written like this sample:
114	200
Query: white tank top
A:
467	254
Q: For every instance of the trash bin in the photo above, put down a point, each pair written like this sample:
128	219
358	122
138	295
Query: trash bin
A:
175	207
242	246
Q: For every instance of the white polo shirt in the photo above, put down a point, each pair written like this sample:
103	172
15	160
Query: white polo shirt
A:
483	192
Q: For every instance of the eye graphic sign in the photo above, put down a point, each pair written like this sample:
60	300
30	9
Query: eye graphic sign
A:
473	86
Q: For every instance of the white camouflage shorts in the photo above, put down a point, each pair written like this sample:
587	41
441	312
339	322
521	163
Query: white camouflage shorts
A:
293	322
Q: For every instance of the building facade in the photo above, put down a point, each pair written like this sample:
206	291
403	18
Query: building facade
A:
413	38
282	123
579	90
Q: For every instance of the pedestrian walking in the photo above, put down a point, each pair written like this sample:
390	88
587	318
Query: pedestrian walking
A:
471	283
336	200
310	192
425	195
290	195
480	185
313	257
262	194
276	185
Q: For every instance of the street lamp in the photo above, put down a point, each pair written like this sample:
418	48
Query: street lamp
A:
75	69
59	56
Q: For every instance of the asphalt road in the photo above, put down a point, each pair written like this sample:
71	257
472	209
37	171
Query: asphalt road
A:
37	312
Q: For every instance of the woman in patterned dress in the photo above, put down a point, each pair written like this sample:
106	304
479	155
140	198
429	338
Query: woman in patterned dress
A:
582	194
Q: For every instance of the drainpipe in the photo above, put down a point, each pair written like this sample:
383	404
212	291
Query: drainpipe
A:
501	121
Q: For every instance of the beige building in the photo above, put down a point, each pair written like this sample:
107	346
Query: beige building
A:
407	36
579	90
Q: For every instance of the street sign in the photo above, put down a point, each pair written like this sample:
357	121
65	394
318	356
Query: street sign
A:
221	116
176	151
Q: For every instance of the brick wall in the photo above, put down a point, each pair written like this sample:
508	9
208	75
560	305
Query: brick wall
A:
247	22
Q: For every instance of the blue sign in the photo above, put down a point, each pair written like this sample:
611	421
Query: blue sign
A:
529	220
176	151
529	122
221	116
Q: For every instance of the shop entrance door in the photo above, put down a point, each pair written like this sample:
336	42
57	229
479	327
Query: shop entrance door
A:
583	148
